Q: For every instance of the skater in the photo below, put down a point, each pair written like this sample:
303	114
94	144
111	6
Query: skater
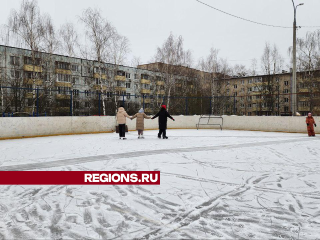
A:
121	119
310	122
140	122
163	115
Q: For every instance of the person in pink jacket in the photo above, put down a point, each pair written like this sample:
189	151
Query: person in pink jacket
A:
121	119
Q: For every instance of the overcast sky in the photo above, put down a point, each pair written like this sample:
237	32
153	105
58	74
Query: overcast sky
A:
147	23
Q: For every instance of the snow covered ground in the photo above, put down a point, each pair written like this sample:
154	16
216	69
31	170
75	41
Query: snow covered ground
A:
214	185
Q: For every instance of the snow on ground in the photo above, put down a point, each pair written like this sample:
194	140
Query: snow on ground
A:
214	185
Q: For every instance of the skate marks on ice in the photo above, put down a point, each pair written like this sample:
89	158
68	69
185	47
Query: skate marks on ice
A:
74	161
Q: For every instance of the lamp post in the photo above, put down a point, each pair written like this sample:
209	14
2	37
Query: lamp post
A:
294	67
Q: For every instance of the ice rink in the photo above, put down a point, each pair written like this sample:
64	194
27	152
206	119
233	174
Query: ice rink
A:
214	185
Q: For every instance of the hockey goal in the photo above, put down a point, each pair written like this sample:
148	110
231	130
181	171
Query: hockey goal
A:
208	120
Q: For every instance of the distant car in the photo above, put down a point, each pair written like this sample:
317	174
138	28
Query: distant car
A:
21	114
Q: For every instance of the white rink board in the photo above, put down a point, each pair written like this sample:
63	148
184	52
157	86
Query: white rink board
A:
11	127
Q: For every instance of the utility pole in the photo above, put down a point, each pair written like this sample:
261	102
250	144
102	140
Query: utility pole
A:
294	62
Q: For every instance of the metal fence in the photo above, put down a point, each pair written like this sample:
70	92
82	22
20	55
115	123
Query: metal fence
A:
22	101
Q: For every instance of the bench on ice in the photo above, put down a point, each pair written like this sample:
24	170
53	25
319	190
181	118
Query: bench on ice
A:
210	117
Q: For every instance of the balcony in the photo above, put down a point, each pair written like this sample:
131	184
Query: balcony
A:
63	71
161	92
120	78
97	75
303	90
37	82
306	109
145	81
99	87
145	91
62	96
160	83
146	100
62	84
32	68
28	95
122	89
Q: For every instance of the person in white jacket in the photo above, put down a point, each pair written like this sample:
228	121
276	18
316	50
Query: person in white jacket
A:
121	119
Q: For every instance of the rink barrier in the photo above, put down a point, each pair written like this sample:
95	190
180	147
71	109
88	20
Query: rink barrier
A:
22	127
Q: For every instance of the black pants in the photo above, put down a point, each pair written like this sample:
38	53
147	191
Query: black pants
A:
162	131
122	130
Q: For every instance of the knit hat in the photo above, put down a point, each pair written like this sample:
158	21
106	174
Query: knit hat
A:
309	114
164	106
141	110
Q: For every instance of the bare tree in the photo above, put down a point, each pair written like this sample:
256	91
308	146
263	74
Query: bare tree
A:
69	39
254	65
100	32
28	25
308	62
268	87
240	70
174	60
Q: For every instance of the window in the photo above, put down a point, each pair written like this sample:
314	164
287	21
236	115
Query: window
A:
242	82
258	79
286	83
98	81
75	92
121	73
249	105
144	76
286	99
87	104
74	68
235	86
136	76
128	85
128	75
28	60
86	93
76	104
128	95
15	74
277	79
75	80
286	109
14	60
63	65
63	90
286	91
87	69
63	77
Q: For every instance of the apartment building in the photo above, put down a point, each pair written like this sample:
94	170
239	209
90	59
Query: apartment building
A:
268	94
58	85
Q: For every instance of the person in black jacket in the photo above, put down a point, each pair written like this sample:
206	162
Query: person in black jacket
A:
163	115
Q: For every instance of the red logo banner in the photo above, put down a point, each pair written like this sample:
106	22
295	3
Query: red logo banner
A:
80	178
